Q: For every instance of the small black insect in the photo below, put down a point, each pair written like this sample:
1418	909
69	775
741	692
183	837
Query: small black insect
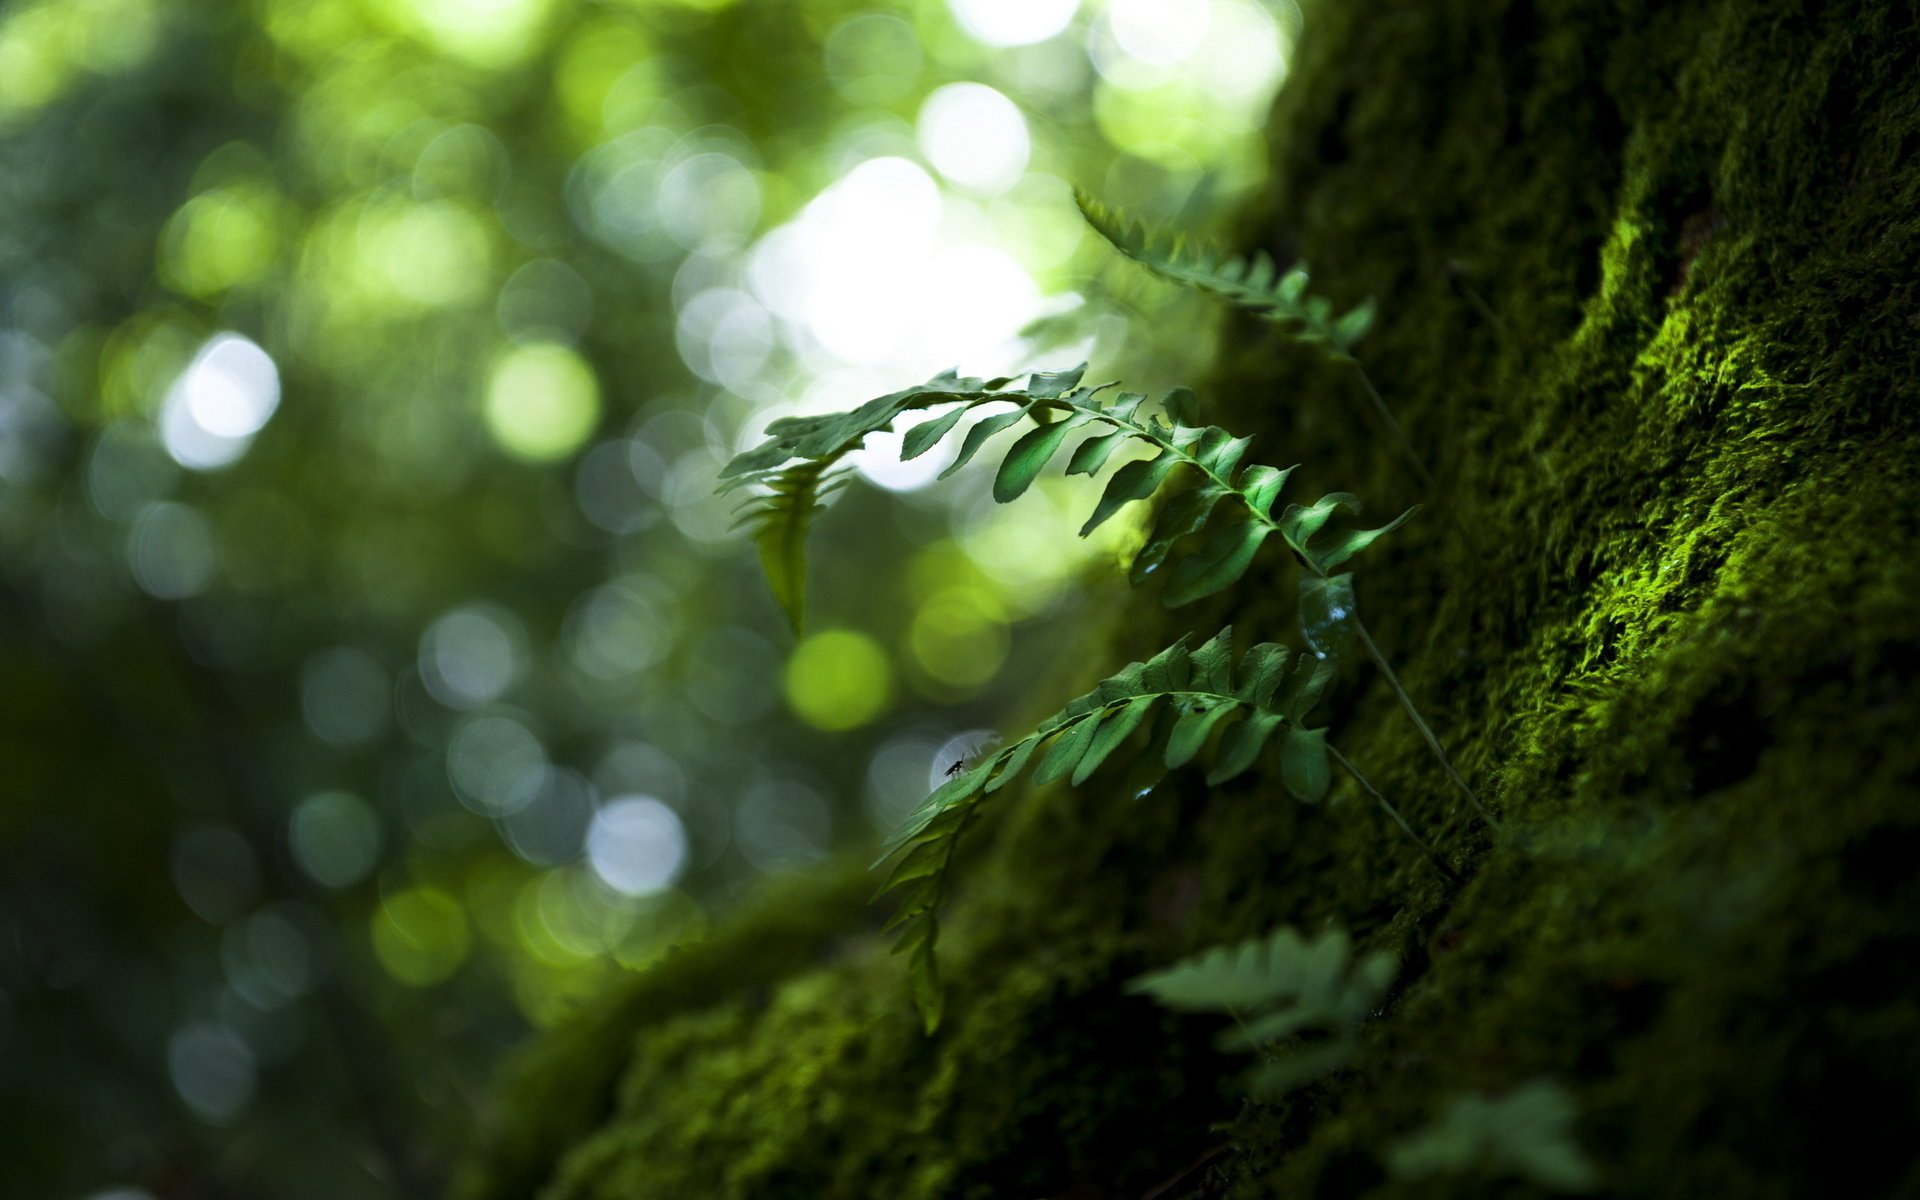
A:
959	765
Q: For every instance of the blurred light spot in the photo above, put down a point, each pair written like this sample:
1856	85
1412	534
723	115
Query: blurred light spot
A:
551	828
1243	58
542	401
171	551
45	47
781	824
126	471
472	655
465	160
214	871
219	403
727	677
121	1194
490	33
1014	22
561	917
496	764
965	749
838	680
267	960
975	137
598	57
220	240
637	845
613	632
1032	551
959	637
693	505
613	189
639	767
725	336
420	936
31	430
660	922
335	838
873	59
709	201
344	695
897	778
985	297
1161	32
858	244
434	254
545	301
212	1069
609	493
878	459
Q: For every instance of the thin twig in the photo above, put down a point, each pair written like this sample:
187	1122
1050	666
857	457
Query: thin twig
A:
1385	414
1426	731
1187	1170
1457	276
1393	812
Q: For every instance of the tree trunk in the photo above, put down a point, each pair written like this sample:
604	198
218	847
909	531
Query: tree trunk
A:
1647	278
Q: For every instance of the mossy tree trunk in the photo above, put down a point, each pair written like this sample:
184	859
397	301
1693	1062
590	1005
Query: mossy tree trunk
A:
1650	288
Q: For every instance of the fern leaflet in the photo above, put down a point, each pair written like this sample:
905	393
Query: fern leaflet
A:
1278	987
1199	465
1256	283
1527	1133
1189	695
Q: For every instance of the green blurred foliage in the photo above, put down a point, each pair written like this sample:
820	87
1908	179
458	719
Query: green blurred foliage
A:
378	674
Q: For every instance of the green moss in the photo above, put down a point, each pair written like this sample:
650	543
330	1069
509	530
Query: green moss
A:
1662	606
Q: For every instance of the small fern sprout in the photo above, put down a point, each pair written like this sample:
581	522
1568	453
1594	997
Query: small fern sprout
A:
1258	285
1528	1133
1309	995
1186	700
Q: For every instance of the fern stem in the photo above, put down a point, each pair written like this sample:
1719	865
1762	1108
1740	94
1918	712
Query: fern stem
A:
1426	731
1146	432
1385	415
1187	1170
1457	276
1432	856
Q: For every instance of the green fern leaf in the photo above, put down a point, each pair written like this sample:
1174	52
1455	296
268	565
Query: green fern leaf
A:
789	492
1255	283
1241	744
1303	764
1301	524
1526	1133
1198	465
1022	464
1222	559
1205	685
1113	732
1277	987
1265	975
1180	517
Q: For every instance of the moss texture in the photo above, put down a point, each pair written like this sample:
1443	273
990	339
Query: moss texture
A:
1649	278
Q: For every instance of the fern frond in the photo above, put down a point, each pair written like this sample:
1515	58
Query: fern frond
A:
1276	987
1527	1133
1201	695
1258	285
781	515
791	471
1255	283
1198	465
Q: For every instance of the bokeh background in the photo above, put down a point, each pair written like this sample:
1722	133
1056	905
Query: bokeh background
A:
378	672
